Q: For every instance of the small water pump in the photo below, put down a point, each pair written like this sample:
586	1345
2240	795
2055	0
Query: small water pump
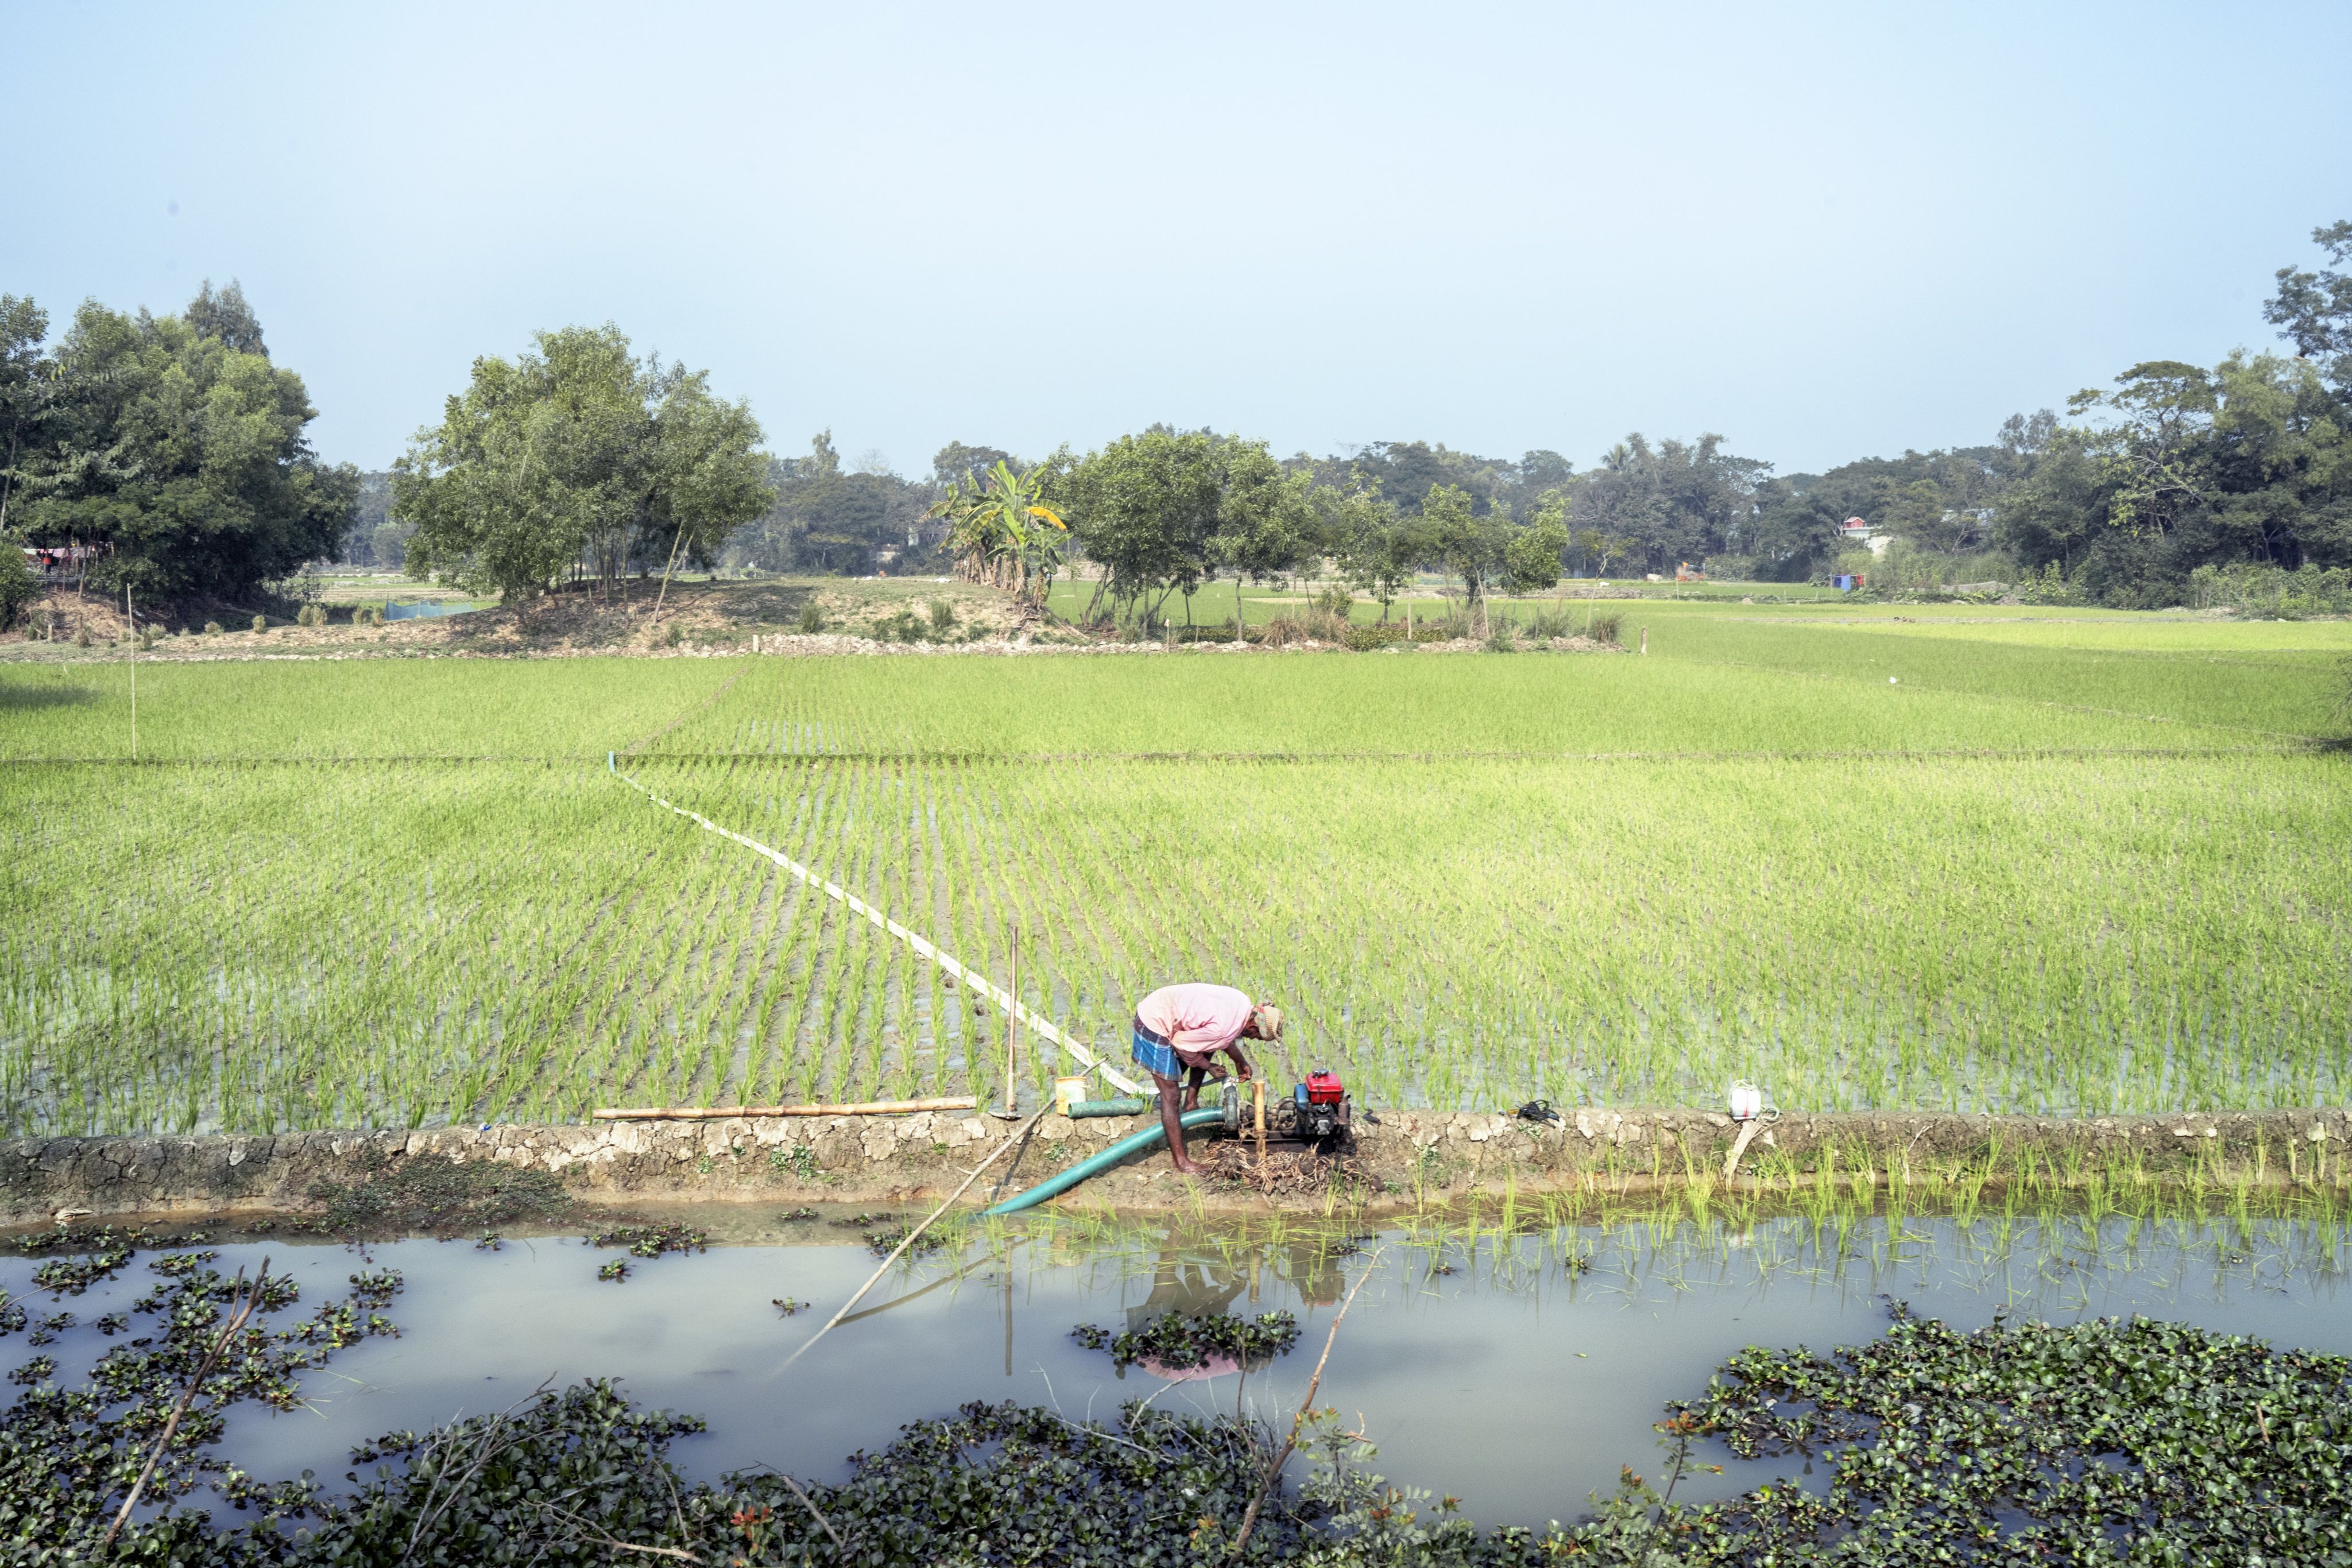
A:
1317	1113
1318	1107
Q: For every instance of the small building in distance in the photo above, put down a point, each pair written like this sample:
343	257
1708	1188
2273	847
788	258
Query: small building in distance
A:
1854	531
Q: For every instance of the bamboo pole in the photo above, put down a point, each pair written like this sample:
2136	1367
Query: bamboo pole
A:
1012	1140
725	1112
1012	1022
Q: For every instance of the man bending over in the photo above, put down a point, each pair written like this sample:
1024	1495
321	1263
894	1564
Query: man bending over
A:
1179	1030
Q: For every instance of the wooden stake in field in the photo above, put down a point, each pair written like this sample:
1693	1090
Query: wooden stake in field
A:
132	626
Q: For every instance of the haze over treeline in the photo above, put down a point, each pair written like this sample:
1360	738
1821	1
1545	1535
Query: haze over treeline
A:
176	445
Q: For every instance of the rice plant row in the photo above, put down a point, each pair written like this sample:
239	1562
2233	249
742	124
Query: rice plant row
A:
261	947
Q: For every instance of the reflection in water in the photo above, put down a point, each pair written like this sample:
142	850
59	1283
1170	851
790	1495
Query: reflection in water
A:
1517	1369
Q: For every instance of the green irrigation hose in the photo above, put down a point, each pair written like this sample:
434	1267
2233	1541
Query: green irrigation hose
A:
1134	1143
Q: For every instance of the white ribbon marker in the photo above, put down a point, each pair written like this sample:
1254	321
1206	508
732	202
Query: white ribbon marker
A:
978	983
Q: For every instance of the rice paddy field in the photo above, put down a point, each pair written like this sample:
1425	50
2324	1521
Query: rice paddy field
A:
1955	858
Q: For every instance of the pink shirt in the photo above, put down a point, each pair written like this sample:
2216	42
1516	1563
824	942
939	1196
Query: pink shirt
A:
1197	1019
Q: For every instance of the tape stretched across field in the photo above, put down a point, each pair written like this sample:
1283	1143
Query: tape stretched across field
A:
923	948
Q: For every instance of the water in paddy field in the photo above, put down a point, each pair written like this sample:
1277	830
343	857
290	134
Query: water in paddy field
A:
427	610
1518	1380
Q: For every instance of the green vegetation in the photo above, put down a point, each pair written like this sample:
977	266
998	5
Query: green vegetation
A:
576	459
2021	1440
172	443
2090	864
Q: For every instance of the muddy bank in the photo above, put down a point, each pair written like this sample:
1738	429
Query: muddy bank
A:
1410	1157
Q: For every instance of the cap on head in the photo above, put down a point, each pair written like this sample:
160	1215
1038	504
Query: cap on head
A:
1268	1018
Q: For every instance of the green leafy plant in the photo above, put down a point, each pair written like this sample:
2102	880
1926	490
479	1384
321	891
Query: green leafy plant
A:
1179	1339
797	1160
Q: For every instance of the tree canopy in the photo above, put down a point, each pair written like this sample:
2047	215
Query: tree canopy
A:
576	460
172	444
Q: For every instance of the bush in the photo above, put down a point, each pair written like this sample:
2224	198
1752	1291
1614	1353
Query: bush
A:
1372	636
261	622
2265	590
18	585
212	628
82	639
904	626
1284	631
812	618
2049	586
1325	627
311	615
942	617
1605	626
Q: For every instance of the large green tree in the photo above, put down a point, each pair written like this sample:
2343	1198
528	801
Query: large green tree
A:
172	443
2313	310
1144	509
1533	555
25	388
1672	502
1472	547
2177	467
572	462
1375	547
1265	526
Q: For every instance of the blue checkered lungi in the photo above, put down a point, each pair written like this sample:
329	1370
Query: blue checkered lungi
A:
1154	1054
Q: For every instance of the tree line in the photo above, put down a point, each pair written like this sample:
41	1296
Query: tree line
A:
174	446
171	445
2173	473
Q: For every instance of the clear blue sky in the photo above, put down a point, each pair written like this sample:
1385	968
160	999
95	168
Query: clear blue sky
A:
1823	230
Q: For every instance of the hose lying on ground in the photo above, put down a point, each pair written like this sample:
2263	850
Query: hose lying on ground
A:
1135	1143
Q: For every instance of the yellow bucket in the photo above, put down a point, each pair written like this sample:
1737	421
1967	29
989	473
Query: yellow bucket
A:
1068	1091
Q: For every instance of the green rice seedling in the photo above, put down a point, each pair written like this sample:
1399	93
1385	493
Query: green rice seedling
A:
354	898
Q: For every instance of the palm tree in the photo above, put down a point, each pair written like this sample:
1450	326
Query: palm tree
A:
1002	531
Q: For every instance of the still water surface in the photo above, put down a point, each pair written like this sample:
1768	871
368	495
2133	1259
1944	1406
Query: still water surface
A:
427	609
1515	1380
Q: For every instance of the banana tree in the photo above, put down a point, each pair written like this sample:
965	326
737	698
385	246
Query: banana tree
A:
1002	532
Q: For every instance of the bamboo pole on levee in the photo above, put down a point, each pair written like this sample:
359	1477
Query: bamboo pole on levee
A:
726	1113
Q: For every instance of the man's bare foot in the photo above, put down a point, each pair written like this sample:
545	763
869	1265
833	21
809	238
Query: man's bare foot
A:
1186	1167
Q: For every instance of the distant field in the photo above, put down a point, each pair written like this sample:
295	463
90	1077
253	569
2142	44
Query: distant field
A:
2057	863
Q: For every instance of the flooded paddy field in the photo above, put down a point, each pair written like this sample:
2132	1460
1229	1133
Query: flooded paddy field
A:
1517	1366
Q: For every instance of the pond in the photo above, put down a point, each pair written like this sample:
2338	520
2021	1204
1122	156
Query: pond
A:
1519	1371
428	609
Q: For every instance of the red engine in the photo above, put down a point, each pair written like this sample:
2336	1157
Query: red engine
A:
1318	1107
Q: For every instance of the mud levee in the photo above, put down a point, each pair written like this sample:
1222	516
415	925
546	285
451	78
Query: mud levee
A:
1409	1157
